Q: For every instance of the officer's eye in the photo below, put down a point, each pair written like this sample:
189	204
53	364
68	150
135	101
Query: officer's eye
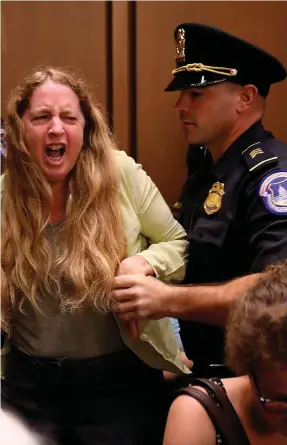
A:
195	94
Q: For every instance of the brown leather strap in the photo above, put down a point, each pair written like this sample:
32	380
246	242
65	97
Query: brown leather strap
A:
222	418
227	407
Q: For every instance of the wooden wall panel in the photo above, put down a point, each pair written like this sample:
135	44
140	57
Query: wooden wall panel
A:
122	91
69	34
161	146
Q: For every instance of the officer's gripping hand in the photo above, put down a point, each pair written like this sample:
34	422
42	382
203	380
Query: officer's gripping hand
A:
134	264
141	297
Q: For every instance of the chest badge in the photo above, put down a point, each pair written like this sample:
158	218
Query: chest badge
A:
213	201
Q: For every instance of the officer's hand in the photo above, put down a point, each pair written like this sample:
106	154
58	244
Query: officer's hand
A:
139	296
134	264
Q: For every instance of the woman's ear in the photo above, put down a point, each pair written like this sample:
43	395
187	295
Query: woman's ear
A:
246	97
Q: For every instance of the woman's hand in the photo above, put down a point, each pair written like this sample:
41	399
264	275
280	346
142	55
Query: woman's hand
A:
135	265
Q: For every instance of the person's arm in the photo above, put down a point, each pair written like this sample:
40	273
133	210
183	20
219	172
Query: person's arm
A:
188	424
165	255
208	304
267	233
135	265
266	228
167	245
146	297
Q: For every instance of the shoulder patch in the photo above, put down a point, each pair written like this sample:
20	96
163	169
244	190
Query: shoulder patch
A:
273	191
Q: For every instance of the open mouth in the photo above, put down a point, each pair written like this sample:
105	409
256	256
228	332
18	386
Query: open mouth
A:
55	152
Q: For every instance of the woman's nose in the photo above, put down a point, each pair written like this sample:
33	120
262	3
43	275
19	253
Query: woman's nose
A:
56	126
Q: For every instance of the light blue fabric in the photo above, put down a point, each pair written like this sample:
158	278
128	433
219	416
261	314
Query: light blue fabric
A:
176	330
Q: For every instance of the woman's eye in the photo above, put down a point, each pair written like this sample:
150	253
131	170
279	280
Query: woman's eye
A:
41	117
70	118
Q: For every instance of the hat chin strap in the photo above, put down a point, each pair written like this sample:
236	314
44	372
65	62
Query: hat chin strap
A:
197	67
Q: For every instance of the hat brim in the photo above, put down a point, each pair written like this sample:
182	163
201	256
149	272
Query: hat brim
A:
186	80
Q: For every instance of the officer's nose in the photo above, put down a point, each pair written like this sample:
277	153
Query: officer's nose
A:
181	103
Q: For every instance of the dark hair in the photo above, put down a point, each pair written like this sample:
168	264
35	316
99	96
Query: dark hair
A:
256	331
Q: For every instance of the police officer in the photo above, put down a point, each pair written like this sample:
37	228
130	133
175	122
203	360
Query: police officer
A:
234	206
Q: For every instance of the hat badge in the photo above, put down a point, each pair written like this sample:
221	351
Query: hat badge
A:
180	45
213	201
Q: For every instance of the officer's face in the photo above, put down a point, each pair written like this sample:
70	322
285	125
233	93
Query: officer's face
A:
209	114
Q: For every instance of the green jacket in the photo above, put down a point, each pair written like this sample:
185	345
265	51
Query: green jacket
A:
153	233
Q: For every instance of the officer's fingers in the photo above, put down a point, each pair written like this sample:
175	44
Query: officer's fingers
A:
120	295
127	317
134	328
125	308
126	281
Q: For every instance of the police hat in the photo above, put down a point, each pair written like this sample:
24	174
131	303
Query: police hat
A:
207	56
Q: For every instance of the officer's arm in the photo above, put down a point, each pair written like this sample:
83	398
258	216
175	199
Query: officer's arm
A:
207	304
145	297
266	224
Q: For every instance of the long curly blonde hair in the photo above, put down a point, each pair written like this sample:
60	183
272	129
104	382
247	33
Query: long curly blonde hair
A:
90	242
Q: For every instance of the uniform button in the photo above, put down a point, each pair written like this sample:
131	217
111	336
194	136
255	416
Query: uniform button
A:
143	336
166	355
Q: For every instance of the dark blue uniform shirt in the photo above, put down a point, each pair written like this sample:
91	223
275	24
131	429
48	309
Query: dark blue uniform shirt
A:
248	230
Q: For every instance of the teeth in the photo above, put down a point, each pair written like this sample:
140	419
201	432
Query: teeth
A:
55	147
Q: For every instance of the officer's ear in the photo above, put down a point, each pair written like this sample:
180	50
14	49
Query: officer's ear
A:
247	95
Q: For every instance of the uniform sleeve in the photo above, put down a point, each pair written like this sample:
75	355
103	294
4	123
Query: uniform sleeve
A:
266	220
168	246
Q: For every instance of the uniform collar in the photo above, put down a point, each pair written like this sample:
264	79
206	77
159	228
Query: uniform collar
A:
230	158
